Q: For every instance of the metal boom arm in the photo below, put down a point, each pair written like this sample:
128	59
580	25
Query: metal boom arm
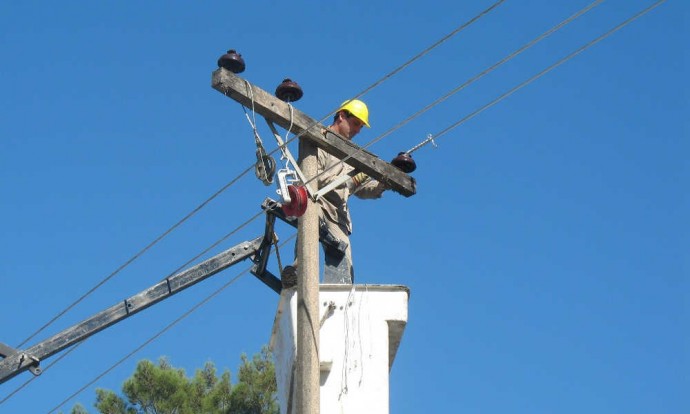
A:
18	361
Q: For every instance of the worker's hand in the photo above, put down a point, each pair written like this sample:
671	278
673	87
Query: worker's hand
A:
358	179
364	186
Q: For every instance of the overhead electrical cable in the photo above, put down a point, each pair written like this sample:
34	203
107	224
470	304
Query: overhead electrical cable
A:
487	71
467	83
413	59
427	50
550	68
135	257
219	241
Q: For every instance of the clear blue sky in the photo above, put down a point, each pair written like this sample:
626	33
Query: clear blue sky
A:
546	248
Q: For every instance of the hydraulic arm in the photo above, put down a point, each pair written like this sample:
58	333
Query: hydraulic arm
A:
17	361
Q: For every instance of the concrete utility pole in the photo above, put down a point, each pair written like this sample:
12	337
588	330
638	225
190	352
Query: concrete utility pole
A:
312	134
307	371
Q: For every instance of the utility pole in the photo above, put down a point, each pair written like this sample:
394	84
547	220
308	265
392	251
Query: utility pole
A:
307	371
312	134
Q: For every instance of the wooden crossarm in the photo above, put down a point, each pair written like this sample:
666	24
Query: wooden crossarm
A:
278	112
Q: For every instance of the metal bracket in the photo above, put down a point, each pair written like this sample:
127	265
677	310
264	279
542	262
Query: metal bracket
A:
260	259
23	360
32	362
285	178
335	183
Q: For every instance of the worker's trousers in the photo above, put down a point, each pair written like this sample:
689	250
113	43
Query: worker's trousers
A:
335	241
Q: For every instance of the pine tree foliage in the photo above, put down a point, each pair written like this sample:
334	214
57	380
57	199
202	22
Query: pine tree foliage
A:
160	388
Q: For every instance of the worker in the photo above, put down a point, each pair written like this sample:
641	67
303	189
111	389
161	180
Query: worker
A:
334	214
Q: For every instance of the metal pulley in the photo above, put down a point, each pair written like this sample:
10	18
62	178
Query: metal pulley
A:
404	162
289	91
293	195
232	61
265	166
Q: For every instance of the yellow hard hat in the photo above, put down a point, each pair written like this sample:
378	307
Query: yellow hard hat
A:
358	109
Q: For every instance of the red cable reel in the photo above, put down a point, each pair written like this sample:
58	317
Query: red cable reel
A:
294	196
298	201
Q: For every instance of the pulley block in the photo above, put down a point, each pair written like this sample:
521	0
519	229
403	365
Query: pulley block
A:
232	61
265	166
298	201
404	162
289	91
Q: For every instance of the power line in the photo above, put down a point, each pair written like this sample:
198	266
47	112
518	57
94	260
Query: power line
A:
427	50
487	70
491	68
135	257
467	83
548	69
219	241
401	67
